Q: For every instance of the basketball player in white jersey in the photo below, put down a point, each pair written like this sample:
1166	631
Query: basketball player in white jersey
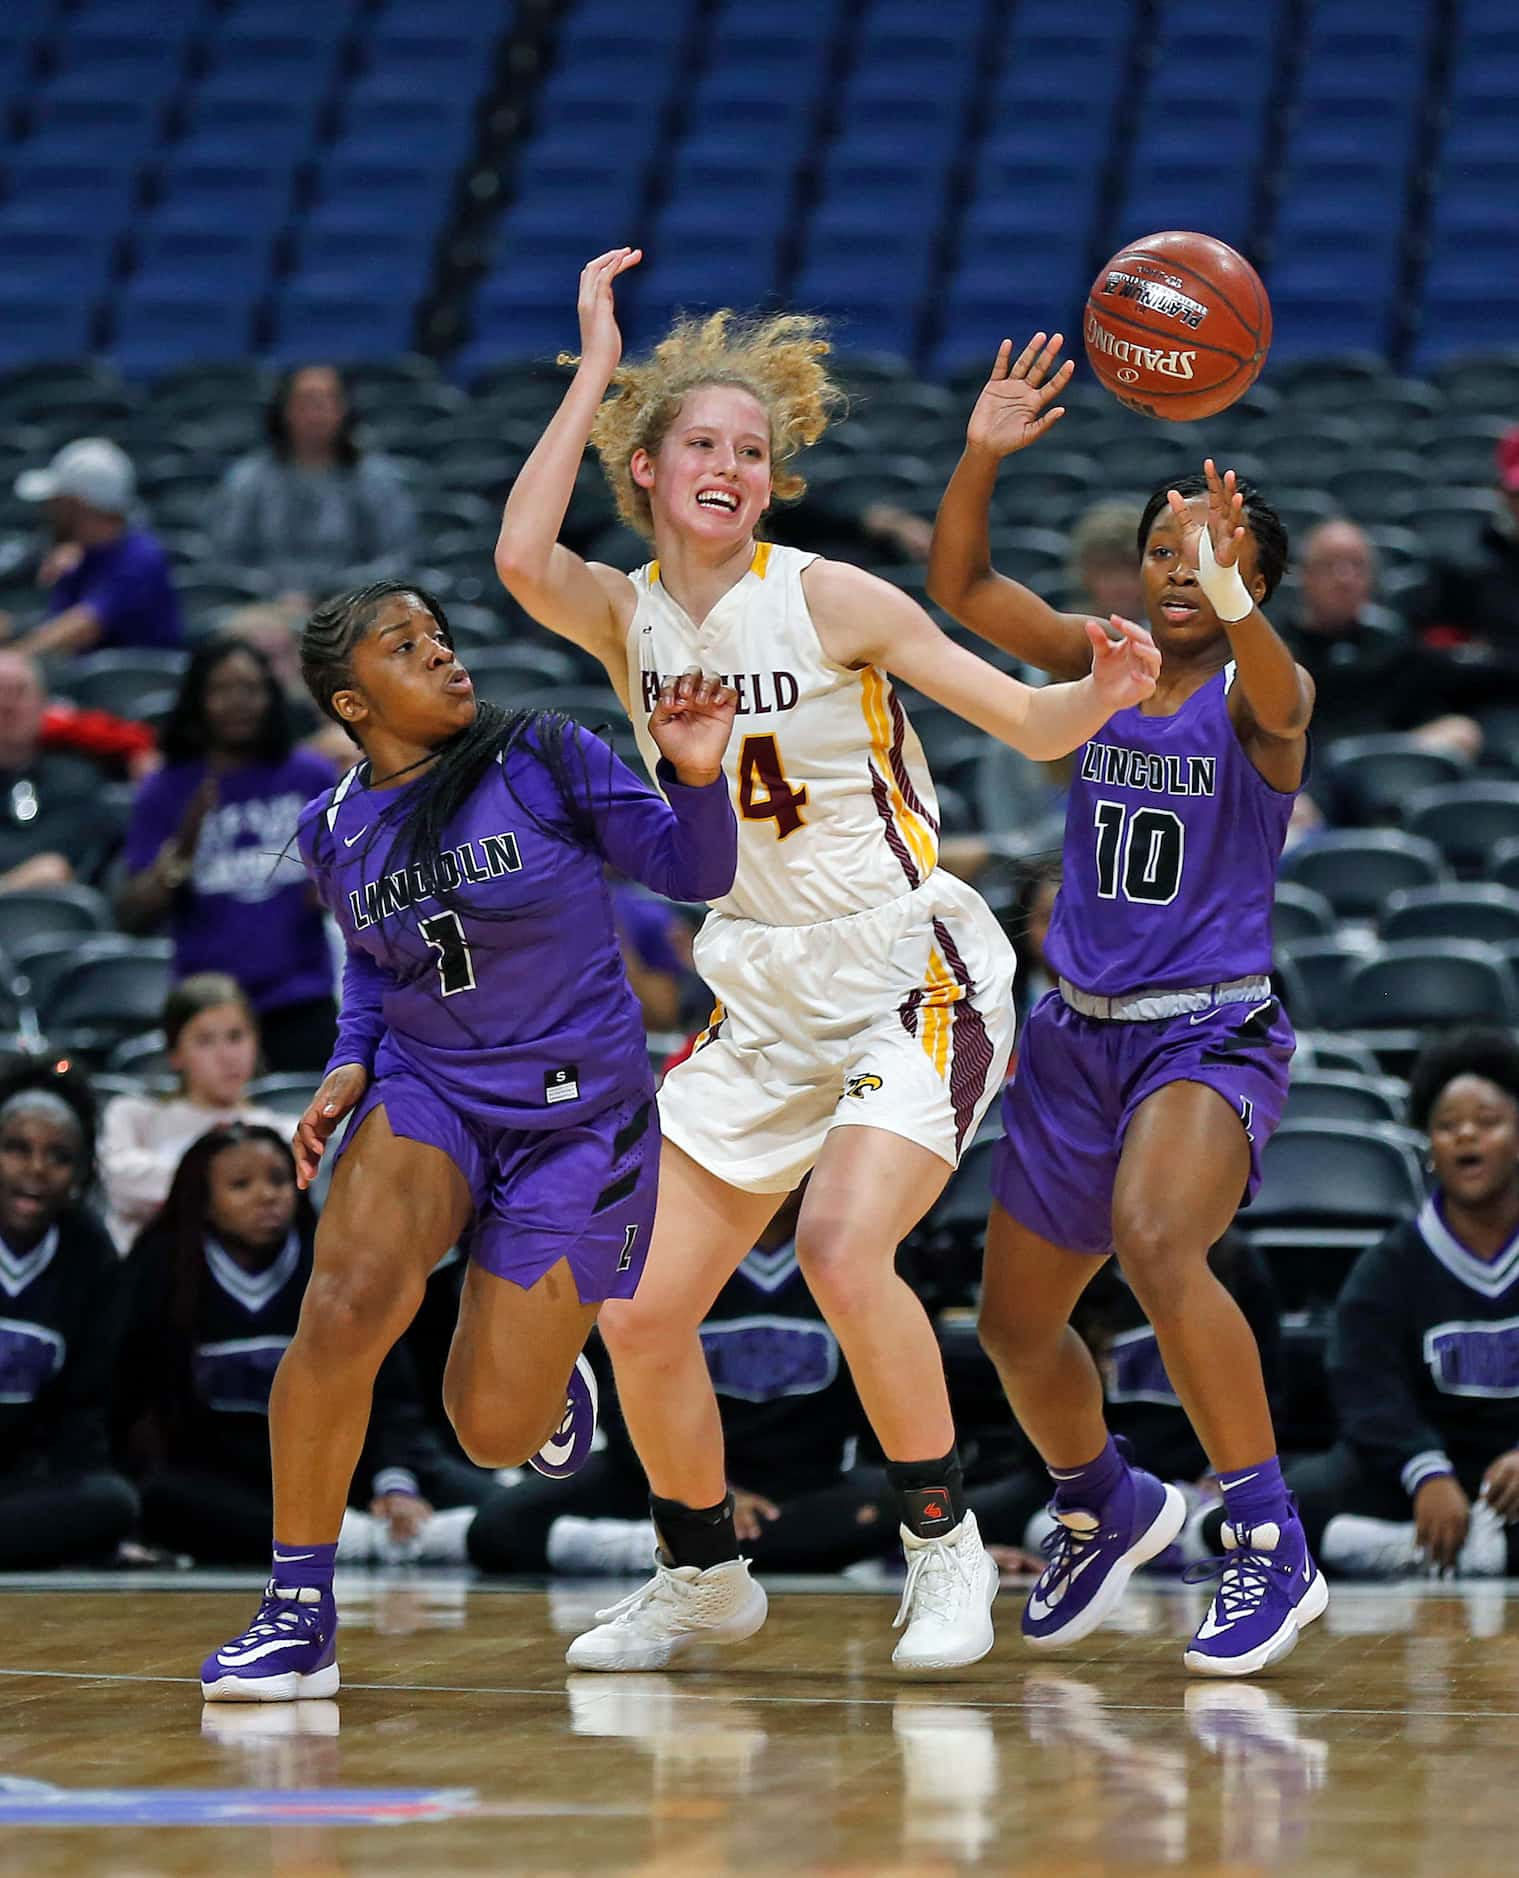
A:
864	1016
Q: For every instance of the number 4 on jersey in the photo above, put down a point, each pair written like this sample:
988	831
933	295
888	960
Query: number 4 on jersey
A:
764	793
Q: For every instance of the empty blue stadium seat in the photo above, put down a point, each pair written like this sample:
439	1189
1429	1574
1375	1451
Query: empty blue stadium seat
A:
37	325
51	258
159	329
63	187
227	255
121	129
341	317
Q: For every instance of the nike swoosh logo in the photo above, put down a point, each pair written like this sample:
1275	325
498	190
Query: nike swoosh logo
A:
239	1659
1210	1629
1037	1606
291	1558
1239	1480
559	1449
349	840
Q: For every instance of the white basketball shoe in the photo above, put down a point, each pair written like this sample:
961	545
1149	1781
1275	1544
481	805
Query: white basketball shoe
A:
947	1601
679	1611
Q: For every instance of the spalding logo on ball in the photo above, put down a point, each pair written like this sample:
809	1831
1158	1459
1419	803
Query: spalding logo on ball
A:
1178	325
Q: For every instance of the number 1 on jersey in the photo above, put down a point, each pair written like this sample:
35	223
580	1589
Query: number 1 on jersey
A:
444	932
764	793
1151	855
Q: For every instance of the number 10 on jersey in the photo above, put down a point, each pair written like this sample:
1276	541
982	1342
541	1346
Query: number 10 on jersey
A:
1139	852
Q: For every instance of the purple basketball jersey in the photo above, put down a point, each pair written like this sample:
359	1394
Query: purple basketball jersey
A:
1172	839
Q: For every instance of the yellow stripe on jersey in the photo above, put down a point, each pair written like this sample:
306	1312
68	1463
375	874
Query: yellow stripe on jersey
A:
918	836
714	1023
941	993
760	565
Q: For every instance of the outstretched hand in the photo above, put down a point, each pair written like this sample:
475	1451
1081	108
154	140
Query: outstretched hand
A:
1016	406
691	725
1225	522
600	336
1125	662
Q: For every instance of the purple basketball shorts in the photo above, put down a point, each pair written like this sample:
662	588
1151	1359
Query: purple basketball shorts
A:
1080	1081
584	1192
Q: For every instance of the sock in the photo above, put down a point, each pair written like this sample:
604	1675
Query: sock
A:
930	1494
303	1567
1089	1487
694	1535
1254	1495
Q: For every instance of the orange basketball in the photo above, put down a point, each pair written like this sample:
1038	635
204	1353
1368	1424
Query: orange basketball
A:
1178	325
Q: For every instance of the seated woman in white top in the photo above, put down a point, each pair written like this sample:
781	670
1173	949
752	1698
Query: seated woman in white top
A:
212	1038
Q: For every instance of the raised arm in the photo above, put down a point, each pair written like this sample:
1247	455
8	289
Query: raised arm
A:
1015	409
581	601
1272	697
862	620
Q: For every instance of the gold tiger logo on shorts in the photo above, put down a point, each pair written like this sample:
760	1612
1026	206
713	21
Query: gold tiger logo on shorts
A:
860	1086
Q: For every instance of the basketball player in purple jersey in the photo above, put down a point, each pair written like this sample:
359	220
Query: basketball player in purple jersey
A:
492	1056
1150	1080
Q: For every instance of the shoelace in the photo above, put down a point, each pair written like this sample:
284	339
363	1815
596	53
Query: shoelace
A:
937	1576
1244	1580
1065	1550
658	1589
277	1616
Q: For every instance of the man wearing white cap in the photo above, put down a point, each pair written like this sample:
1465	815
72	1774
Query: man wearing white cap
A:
112	586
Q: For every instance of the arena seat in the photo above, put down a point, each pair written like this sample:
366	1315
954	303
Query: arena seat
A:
1473	910
1298	914
1356	870
1340	1096
1428	983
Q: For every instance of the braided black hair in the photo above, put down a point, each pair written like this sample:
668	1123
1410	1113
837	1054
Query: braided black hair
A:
1265	525
462	760
1489	1053
184	737
178	1229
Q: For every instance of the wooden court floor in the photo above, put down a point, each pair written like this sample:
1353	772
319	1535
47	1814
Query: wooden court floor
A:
1389	1743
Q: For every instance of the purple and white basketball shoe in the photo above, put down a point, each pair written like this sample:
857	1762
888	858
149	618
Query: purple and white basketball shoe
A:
289	1653
1093	1554
566	1449
1268	1589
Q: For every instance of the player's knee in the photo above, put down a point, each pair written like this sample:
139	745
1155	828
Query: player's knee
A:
842	1274
1007	1339
637	1333
1155	1260
499	1434
353	1309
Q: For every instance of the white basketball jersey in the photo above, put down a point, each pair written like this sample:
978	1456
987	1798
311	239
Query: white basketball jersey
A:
836	808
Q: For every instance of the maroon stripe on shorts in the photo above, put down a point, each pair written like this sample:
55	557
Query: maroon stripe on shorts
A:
907	1010
970	1048
898	764
894	839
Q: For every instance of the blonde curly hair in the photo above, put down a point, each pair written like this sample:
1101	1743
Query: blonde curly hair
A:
776	358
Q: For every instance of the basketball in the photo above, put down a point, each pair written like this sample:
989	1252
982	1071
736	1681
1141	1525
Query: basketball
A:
1178	325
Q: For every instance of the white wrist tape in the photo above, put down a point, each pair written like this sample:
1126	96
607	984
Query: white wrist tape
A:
1227	594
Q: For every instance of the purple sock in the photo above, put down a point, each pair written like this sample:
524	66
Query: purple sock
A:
1255	1495
1090	1486
303	1567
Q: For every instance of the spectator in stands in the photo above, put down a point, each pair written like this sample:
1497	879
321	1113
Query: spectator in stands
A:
50	825
1423	1361
1103	568
210	850
217	1282
1370	674
1029	926
314	512
109	581
60	1500
1474	598
211	1036
274	626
